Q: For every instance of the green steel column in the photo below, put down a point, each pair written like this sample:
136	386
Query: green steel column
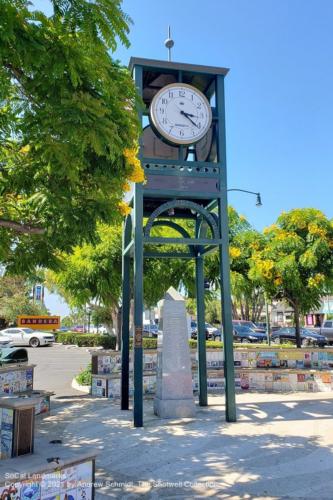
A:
229	369
138	307
138	286
125	332
200	292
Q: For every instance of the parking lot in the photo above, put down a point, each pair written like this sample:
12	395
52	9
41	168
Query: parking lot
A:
56	367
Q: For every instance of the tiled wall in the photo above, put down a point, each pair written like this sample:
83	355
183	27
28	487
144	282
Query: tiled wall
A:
16	380
71	482
270	370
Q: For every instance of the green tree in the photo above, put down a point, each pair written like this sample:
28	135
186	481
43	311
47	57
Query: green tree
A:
213	311
77	316
15	299
295	260
68	127
247	295
91	274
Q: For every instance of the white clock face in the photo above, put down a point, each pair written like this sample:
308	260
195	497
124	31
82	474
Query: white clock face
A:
180	113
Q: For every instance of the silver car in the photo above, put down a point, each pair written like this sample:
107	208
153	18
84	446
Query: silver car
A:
27	336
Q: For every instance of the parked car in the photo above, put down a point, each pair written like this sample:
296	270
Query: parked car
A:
194	331
13	355
261	325
27	336
326	329
218	335
308	337
150	330
78	329
212	331
246	335
248	324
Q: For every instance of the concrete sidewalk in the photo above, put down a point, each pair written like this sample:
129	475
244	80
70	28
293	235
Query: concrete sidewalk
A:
281	447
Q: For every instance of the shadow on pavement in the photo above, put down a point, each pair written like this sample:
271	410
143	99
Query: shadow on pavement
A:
277	449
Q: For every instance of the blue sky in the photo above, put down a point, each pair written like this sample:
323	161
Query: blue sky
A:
279	98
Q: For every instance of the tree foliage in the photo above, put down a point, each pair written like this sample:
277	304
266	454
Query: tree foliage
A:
92	273
15	299
247	296
68	127
295	260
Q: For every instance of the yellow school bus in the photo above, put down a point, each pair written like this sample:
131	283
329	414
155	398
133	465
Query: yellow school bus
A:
39	322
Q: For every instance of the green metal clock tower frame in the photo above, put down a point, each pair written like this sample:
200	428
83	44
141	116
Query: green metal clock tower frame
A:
191	186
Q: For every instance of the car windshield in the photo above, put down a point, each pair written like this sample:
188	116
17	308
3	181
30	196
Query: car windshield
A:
27	330
249	324
243	329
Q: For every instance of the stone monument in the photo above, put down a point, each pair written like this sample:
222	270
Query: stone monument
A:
174	392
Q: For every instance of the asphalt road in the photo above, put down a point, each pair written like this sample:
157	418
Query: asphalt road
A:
56	366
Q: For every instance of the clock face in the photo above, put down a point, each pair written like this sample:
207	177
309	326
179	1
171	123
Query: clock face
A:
180	113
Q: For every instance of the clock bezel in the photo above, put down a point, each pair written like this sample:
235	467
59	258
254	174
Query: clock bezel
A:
161	132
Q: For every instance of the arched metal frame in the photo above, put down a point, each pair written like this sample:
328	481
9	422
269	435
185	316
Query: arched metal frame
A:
195	207
176	227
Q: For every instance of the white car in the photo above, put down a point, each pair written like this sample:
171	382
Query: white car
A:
27	336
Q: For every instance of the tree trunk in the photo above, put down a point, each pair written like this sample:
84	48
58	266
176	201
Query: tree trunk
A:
241	309
234	309
117	326
247	311
297	325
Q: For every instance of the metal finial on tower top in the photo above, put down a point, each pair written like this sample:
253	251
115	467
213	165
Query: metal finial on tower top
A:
169	43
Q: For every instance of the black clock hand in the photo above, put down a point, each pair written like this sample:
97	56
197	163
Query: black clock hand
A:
188	117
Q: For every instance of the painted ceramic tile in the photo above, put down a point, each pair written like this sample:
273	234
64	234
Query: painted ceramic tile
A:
30	490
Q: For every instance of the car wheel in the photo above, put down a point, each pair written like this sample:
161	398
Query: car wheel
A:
276	340
246	341
305	342
34	342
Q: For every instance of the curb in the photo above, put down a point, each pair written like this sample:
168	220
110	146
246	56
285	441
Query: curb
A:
81	388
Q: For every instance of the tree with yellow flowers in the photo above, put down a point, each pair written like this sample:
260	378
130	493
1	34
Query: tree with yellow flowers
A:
294	261
247	295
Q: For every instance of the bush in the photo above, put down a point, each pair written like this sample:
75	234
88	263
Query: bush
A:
210	344
147	343
84	377
109	342
214	344
87	340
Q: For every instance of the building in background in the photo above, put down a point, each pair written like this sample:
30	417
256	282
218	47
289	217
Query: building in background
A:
38	293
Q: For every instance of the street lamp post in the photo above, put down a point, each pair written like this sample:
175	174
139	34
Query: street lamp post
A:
259	204
258	195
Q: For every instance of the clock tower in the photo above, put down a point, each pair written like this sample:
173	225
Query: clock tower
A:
183	154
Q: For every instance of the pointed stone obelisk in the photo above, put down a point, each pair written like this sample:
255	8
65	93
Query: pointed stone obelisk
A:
174	392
